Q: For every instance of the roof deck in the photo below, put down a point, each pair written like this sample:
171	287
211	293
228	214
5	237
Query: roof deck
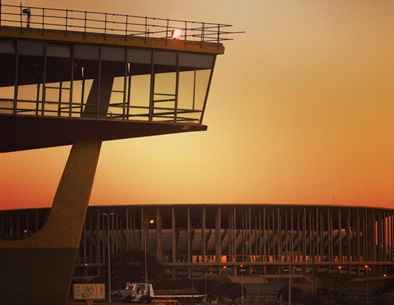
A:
72	75
64	25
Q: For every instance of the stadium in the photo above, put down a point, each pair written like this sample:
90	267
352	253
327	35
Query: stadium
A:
257	240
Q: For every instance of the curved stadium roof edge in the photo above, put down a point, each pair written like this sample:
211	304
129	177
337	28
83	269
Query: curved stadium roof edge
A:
323	205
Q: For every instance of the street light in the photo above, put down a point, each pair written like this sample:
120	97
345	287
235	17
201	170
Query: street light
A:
25	11
366	267
107	215
290	282
205	286
242	283
291	267
146	236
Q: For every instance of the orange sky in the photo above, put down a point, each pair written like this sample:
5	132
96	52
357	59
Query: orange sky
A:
301	111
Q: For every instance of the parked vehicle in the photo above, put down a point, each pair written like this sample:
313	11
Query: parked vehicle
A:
144	293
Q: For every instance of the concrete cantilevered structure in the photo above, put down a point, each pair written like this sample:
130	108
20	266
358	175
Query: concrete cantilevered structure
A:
79	78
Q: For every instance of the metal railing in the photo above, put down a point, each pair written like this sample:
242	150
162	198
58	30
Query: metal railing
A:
127	26
76	110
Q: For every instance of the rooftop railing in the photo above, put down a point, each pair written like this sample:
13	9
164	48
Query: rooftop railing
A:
127	26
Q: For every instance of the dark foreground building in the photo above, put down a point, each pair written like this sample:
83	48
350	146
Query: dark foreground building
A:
265	240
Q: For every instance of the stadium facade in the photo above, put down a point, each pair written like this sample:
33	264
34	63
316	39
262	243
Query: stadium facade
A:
260	239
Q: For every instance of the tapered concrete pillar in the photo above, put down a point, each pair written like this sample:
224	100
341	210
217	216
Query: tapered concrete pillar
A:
38	270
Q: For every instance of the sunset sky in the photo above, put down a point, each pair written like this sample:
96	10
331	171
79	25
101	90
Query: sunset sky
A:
300	111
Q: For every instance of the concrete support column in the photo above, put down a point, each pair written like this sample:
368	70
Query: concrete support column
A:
47	258
265	238
203	233
159	247
173	239
358	229
234	239
218	242
189	243
142	229
340	232
391	236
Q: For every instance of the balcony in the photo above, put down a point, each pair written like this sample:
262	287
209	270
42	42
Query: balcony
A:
70	75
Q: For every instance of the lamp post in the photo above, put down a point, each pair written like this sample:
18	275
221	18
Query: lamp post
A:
290	282
366	267
242	284
205	286
290	257
146	237
109	216
25	11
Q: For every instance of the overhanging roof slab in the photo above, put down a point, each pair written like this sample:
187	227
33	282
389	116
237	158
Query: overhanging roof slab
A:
30	132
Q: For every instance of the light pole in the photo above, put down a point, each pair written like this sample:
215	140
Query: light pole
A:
146	236
290	257
290	281
109	216
205	286
290	253
366	267
242	284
